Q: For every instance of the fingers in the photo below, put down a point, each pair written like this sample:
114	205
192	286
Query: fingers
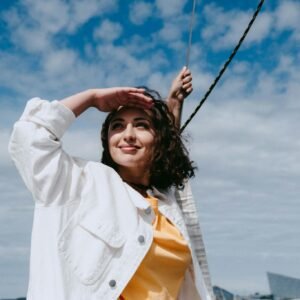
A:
185	72
189	90
187	85
140	100
138	96
142	97
187	78
134	97
182	72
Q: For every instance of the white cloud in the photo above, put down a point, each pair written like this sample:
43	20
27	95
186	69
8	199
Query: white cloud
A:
157	80
140	12
64	70
27	35
170	8
260	29
217	14
108	31
224	28
170	32
56	15
89	139
15	223
4	156
83	10
33	40
60	61
34	23
127	69
288	15
287	18
54	75
50	16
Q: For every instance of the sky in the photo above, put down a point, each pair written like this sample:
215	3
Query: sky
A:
245	140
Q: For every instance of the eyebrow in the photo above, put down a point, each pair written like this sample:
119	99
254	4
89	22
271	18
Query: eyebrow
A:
135	119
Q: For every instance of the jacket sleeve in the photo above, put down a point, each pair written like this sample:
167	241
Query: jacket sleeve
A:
49	173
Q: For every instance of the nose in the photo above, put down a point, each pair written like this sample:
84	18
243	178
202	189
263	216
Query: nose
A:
129	133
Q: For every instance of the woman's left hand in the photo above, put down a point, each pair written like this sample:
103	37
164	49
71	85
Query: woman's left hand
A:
181	86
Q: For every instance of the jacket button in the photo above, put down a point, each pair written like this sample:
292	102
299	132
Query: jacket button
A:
141	239
112	283
148	210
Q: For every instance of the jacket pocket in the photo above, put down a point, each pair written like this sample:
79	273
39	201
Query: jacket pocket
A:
88	246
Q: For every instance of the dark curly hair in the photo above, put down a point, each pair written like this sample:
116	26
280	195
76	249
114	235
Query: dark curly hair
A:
171	165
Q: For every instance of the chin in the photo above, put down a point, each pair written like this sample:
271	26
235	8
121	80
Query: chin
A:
130	165
133	165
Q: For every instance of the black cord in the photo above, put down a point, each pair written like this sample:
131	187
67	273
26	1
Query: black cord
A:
221	72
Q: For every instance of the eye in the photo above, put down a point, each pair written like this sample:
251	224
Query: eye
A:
144	125
117	125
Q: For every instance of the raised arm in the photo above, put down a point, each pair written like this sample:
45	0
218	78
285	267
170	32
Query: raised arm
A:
107	99
53	176
181	87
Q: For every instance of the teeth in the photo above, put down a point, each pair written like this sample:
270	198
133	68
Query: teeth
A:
129	146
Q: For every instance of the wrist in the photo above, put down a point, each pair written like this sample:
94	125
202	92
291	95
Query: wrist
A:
174	103
80	102
91	95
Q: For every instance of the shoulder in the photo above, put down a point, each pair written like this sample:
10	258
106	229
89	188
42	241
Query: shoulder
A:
98	172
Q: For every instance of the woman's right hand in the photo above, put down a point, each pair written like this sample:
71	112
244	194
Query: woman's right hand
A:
109	99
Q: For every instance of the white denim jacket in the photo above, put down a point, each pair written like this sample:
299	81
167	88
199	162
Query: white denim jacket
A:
90	230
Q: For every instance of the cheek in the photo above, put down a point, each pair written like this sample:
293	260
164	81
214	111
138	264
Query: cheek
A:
111	142
151	145
155	147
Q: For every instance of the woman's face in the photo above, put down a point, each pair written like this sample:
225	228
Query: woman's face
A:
131	140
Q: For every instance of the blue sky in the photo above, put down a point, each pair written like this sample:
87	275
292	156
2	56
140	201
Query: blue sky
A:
245	140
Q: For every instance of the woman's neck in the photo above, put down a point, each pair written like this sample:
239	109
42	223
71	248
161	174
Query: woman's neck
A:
140	181
142	189
137	177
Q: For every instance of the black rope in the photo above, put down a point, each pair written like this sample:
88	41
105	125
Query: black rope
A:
221	72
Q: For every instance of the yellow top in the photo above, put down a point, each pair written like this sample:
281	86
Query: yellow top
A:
161	273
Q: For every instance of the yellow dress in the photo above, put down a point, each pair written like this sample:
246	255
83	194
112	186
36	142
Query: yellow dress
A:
161	273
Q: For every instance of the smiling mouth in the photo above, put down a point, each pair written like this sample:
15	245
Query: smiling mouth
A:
129	147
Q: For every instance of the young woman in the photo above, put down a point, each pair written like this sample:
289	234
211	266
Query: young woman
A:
110	230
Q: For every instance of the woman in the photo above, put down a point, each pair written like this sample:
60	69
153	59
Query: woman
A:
110	230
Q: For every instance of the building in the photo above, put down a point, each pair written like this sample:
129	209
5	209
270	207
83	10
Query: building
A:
15	299
284	287
222	294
